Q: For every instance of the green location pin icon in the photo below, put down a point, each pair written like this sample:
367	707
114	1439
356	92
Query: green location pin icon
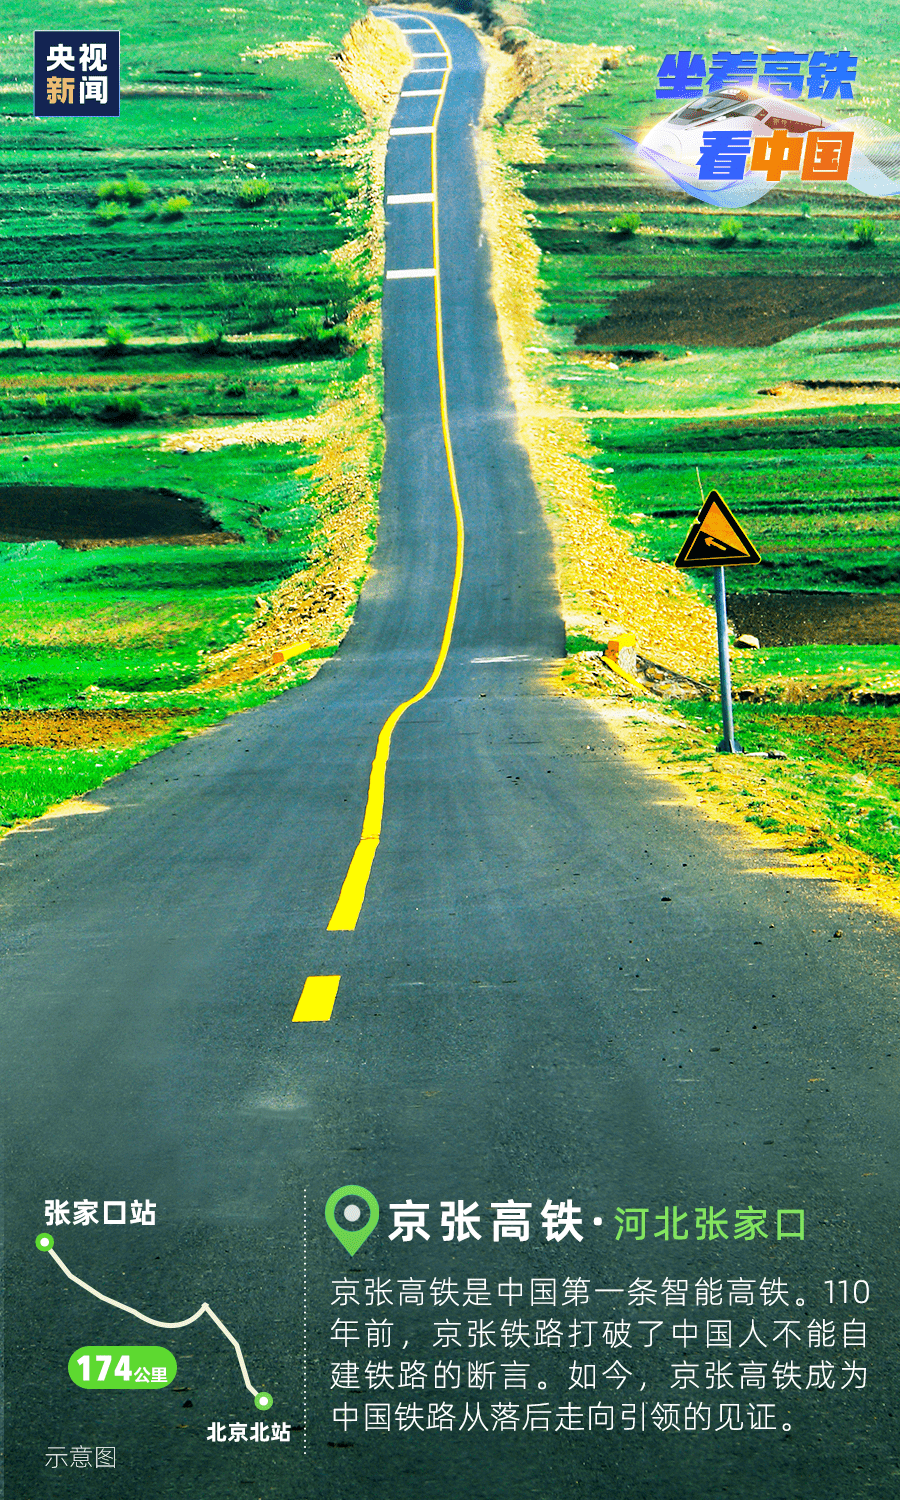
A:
351	1239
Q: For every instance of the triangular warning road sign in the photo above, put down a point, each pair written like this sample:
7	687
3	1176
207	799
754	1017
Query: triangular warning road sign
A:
716	540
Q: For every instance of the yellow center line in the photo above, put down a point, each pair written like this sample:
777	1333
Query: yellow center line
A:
317	999
349	902
320	990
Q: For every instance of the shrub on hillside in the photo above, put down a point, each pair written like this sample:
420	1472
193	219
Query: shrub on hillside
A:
135	190
253	191
120	410
865	233
205	339
175	207
129	190
109	212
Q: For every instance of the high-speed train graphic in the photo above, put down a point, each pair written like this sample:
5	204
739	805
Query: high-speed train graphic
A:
674	144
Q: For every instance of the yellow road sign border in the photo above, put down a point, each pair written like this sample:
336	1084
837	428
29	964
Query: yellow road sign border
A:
713	500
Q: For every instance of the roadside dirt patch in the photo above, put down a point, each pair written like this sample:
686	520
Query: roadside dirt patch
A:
372	62
239	435
312	609
807	617
861	324
78	517
294	51
869	743
605	588
724	788
75	729
734	312
839	388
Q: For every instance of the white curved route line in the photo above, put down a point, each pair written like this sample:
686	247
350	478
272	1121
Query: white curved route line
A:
155	1322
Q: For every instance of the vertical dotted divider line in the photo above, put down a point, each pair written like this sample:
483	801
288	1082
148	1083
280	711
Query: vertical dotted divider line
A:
305	1315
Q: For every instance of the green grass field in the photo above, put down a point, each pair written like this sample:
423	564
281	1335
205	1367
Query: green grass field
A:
841	773
200	103
167	270
768	359
817	493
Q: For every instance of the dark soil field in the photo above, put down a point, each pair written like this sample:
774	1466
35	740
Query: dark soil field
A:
734	312
868	743
78	517
807	617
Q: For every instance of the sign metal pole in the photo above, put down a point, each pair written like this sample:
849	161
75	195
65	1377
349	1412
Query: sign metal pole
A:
728	745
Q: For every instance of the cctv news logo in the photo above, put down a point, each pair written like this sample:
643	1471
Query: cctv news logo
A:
76	73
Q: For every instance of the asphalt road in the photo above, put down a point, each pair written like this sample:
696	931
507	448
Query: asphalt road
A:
565	989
